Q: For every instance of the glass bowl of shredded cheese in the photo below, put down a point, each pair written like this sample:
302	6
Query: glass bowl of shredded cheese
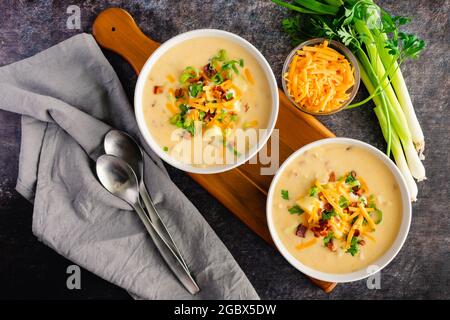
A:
320	76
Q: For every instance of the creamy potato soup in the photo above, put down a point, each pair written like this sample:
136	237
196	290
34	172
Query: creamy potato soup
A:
203	94
337	208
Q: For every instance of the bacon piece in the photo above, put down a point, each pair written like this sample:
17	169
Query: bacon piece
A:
218	92
331	246
322	228
208	116
208	71
179	92
158	89
332	177
301	231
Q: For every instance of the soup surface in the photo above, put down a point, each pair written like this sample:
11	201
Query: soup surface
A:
337	208
201	95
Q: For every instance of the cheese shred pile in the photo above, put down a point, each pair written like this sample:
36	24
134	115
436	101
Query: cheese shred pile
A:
319	78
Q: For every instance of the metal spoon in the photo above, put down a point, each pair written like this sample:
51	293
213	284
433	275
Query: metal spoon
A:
119	179
121	145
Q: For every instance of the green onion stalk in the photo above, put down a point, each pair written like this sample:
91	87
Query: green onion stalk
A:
397	151
374	36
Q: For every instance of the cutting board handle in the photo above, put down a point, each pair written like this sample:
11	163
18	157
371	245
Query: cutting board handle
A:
116	30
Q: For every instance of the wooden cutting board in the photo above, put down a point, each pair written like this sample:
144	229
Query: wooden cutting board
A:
242	190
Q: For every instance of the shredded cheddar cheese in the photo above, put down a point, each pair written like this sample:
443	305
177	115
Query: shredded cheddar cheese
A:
306	244
319	78
340	210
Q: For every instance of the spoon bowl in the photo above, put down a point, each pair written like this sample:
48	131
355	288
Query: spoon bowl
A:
121	145
118	178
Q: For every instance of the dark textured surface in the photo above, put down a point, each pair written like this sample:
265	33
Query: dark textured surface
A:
28	269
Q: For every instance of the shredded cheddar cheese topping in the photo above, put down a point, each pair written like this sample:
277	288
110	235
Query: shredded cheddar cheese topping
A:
341	211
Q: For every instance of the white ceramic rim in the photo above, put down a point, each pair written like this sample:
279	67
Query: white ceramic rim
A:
203	33
387	257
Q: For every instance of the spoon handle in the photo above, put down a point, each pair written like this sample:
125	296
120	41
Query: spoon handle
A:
167	253
158	223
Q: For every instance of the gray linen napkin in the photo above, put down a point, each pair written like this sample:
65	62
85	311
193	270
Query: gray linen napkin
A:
69	98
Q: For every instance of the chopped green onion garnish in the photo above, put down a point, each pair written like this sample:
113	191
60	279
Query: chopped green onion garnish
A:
343	203
328	238
313	191
295	210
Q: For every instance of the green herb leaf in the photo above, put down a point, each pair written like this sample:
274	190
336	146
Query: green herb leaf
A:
195	89
362	200
229	95
372	202
353	249
313	191
326	215
295	210
184	108
188	73
349	178
285	194
232	65
220	56
189	126
329	237
292	27
377	216
175	118
217	78
343	203
166	149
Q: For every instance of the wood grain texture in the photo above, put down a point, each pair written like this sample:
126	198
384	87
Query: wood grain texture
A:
242	190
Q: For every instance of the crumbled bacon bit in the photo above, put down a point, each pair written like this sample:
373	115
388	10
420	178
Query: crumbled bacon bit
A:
218	92
332	177
320	195
208	116
301	231
246	107
331	246
158	89
356	234
179	92
208	71
353	204
353	173
361	242
328	206
322	228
